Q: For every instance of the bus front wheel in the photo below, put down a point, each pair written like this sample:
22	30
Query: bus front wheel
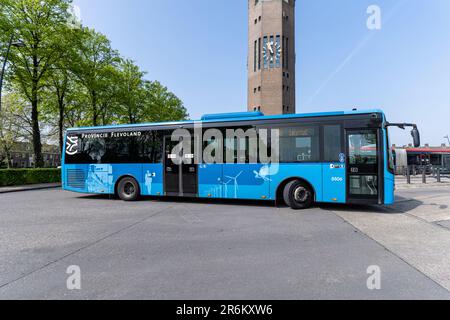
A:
128	189
298	195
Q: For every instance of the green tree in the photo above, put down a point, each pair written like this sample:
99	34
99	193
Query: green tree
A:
161	104
69	76
14	125
60	95
131	93
40	26
93	64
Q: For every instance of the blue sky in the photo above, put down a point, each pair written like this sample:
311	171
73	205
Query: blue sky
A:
198	48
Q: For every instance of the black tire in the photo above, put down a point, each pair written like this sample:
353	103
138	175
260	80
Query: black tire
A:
298	195
128	189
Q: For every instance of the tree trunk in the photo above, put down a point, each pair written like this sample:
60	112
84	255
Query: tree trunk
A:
94	109
7	152
37	146
8	159
61	126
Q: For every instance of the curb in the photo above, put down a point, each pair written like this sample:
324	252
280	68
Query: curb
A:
30	188
421	186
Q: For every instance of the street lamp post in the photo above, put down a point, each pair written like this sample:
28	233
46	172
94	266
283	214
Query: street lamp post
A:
448	139
8	50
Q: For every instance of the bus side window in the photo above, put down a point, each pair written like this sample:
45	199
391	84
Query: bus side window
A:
151	147
299	144
332	144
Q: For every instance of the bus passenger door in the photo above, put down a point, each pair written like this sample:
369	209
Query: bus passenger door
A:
180	170
363	166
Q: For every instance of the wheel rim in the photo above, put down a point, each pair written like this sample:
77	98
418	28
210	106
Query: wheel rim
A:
129	189
301	194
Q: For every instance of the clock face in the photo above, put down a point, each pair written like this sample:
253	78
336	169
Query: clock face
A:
272	51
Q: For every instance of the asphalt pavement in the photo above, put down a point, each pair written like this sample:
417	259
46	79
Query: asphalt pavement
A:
190	249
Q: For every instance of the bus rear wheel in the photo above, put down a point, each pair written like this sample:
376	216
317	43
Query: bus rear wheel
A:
128	189
298	195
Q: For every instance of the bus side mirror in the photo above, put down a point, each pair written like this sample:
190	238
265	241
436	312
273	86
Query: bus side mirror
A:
416	137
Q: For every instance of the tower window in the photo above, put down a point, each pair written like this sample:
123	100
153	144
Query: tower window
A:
287	53
259	54
255	56
259	89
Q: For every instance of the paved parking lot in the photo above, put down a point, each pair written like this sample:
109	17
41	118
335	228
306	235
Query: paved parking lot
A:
199	250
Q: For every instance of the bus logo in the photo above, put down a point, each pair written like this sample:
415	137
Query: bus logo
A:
72	146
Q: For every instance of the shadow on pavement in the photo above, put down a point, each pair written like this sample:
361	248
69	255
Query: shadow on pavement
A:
230	202
402	205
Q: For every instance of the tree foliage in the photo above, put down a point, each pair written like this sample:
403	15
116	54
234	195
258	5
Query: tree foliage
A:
39	25
68	75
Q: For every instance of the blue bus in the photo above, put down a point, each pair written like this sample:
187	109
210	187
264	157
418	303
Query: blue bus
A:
334	157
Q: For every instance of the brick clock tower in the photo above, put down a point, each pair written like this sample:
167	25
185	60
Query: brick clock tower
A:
271	59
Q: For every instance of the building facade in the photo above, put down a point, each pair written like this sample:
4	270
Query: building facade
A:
271	58
22	156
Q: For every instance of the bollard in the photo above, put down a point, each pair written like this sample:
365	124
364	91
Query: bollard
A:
439	175
408	175
424	176
414	170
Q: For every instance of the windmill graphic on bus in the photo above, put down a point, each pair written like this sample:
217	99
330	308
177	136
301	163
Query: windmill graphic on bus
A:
236	185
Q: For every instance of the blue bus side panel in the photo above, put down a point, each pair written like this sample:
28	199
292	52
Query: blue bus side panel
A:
389	187
246	181
152	183
234	181
210	183
78	174
98	178
334	183
311	172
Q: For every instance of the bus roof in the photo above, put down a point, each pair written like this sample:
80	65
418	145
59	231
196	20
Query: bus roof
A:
233	117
